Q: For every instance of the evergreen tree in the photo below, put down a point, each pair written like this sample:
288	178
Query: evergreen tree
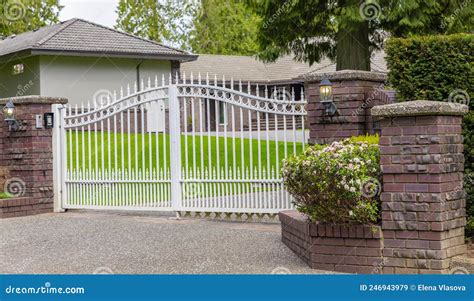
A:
348	30
24	15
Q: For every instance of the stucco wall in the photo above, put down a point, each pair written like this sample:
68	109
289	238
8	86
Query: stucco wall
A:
26	83
80	78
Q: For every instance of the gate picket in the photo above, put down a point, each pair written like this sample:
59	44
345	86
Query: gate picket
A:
113	157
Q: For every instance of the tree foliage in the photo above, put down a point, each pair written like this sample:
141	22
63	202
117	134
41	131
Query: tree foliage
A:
225	27
348	30
163	21
203	26
24	15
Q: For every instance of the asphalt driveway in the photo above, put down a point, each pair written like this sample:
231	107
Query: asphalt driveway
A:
122	243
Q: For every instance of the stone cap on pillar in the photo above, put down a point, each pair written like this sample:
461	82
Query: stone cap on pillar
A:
347	75
420	108
33	99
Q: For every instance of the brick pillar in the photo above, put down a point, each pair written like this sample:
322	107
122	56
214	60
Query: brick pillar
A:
27	157
355	93
423	202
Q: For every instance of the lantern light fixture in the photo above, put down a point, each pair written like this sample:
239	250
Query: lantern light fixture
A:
326	97
9	112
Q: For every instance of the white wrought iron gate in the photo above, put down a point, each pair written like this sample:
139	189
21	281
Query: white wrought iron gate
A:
218	149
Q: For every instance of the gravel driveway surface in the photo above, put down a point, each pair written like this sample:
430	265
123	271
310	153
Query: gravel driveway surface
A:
125	243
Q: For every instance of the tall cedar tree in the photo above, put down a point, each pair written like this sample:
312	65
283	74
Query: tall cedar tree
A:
348	31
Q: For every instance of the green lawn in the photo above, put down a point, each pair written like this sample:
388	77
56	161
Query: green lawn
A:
87	152
135	149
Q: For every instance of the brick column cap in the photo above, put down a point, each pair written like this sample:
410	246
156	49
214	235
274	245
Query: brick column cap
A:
34	99
420	108
346	75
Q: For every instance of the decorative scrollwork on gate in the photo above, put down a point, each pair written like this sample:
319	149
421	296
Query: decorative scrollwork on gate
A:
147	147
244	100
86	116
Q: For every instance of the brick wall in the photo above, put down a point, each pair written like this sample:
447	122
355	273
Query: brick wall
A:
27	156
341	248
422	200
22	206
354	93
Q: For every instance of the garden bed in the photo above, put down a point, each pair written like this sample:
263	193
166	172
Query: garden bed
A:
341	248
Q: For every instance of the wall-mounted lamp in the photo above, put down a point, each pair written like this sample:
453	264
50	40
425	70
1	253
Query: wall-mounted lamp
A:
9	115
325	94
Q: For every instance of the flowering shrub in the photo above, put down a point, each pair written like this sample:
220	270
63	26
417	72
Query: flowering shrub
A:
337	183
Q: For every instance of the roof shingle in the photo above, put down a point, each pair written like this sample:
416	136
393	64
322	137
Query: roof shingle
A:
80	36
248	68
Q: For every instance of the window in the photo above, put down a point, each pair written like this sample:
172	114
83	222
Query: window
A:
18	69
281	93
222	113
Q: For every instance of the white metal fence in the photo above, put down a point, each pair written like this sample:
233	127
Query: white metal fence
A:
209	147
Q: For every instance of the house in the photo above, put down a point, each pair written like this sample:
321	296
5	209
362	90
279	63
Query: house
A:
284	71
87	63
282	79
82	61
77	58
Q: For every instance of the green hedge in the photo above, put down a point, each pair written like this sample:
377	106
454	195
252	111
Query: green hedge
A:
439	68
431	67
